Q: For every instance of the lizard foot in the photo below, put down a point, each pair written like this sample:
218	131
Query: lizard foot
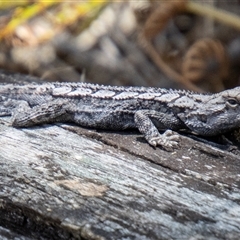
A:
168	140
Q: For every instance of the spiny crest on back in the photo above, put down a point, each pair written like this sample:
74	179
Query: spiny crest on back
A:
117	92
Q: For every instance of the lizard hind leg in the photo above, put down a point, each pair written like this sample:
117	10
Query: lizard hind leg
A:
143	120
54	111
7	108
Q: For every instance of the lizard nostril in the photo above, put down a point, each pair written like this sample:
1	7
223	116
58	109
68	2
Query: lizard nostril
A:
203	118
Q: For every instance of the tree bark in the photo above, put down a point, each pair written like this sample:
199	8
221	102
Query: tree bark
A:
65	182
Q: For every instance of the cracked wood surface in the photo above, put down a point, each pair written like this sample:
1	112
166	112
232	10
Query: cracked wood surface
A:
65	182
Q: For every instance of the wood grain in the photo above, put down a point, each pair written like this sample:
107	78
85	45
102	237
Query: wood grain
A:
66	182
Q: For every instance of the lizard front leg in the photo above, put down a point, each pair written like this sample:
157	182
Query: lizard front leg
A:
144	122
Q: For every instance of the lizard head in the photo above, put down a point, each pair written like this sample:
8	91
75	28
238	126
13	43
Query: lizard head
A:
215	114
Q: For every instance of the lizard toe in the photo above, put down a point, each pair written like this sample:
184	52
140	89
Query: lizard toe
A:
153	142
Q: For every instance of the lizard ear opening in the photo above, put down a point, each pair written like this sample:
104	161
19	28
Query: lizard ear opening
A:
231	102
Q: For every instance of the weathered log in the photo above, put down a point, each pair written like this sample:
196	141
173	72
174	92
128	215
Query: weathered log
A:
66	182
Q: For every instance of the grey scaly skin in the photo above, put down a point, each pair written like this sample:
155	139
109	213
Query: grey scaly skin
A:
120	108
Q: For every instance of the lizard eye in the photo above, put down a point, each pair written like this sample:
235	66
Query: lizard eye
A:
232	102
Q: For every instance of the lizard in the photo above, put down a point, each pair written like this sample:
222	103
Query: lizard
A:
147	109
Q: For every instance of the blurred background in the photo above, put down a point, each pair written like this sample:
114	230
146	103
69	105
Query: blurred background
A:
182	44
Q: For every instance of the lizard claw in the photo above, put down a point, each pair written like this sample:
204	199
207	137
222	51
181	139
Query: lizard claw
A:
168	140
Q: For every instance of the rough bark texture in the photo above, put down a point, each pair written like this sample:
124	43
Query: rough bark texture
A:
56	184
